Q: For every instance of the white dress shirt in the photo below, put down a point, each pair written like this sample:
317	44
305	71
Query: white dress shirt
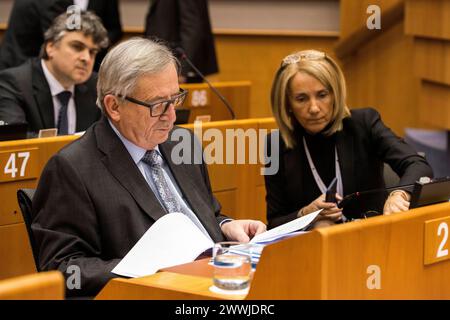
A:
55	89
83	4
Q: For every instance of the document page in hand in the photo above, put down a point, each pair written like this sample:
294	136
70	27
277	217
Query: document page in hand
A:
172	240
285	229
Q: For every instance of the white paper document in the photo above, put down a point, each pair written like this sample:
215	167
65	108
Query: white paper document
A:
285	229
172	240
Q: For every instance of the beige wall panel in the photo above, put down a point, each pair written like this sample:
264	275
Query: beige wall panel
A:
380	75
428	18
268	14
433	60
354	13
256	58
228	201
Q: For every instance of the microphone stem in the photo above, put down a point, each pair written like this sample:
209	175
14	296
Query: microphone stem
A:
222	98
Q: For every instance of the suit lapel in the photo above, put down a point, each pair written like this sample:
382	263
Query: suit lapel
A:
119	162
42	95
94	6
344	144
83	107
187	184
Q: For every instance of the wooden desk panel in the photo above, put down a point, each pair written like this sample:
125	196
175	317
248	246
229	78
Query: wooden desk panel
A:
201	100
377	258
41	286
45	148
15	251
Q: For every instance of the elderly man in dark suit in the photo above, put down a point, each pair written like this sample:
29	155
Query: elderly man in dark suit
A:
58	90
99	195
184	24
29	19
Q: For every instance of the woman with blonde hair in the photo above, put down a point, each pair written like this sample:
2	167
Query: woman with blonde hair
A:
322	140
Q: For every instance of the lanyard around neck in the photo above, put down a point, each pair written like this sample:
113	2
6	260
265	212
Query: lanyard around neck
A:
317	178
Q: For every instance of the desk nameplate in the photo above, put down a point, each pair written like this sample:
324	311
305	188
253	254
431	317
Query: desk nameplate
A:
436	242
19	164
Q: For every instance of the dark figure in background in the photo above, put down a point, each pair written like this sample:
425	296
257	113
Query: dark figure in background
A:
58	89
322	139
184	24
29	19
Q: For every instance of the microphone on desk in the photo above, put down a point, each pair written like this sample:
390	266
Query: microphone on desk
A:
182	55
356	195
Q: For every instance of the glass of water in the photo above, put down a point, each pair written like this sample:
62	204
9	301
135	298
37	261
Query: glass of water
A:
232	265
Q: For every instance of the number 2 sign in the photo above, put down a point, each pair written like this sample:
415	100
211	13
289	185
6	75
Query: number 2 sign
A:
436	240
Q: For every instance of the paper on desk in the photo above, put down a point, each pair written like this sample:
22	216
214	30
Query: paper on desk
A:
172	240
285	229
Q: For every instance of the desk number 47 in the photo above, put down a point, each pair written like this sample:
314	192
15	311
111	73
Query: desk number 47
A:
11	167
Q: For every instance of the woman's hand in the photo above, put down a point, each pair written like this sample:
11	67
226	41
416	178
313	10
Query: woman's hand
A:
397	201
330	210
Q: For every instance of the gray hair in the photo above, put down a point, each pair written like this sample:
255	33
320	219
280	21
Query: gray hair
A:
88	23
129	60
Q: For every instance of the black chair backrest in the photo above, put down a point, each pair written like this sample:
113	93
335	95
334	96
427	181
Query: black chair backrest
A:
25	199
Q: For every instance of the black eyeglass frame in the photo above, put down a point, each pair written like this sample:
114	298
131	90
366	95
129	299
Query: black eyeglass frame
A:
182	94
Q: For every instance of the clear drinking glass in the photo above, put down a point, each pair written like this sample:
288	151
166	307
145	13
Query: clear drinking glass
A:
232	265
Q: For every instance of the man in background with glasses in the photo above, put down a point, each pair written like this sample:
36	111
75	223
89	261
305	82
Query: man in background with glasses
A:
99	195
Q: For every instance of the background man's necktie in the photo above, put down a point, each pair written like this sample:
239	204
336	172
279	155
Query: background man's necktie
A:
63	123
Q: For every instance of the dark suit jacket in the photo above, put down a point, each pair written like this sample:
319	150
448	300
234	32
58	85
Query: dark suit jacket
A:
25	97
29	19
23	37
185	24
92	205
363	146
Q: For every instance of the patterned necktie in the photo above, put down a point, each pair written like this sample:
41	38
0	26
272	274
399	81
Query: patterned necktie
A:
154	160
63	123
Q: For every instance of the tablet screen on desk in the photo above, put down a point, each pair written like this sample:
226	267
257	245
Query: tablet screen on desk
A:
435	191
15	131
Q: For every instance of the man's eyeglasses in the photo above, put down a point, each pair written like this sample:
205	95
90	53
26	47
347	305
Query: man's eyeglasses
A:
160	107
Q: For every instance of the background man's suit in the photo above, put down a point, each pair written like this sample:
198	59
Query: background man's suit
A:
99	205
185	24
29	19
25	97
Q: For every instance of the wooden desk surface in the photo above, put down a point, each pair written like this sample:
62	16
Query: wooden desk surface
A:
385	257
199	268
163	286
186	281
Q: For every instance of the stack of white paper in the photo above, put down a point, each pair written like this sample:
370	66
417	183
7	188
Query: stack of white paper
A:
174	239
285	229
